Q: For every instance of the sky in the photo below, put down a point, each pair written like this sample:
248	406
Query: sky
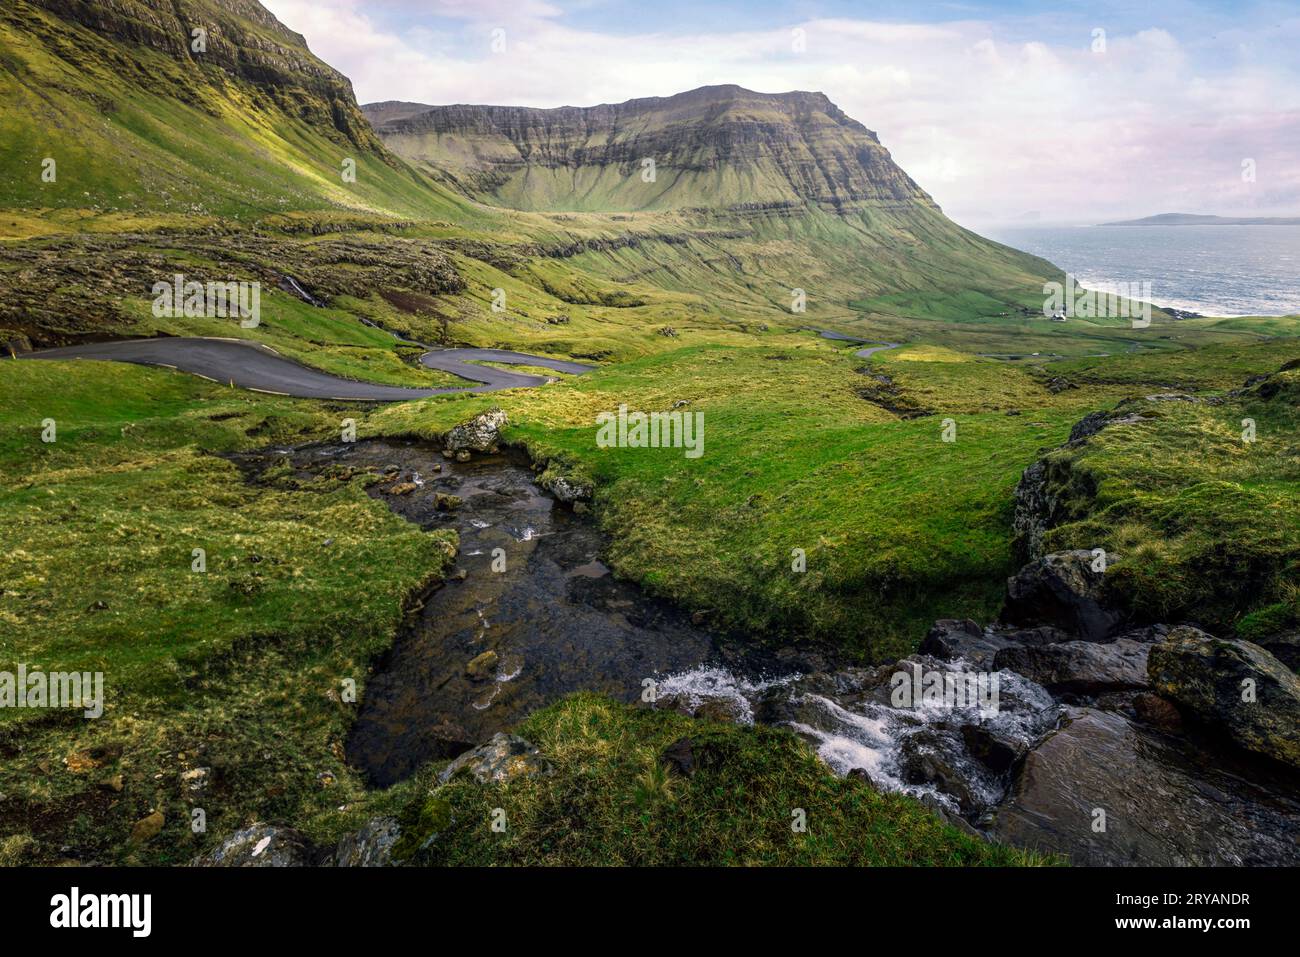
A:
1003	112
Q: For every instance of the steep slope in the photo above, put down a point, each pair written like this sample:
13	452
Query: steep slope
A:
139	114
715	146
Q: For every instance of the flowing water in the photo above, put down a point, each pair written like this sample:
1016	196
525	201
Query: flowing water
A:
530	613
529	587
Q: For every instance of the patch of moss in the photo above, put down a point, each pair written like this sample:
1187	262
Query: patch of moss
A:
422	821
1269	620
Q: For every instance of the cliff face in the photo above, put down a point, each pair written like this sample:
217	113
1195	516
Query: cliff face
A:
715	146
244	42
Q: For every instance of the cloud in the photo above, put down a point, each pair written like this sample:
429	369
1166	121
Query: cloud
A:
989	118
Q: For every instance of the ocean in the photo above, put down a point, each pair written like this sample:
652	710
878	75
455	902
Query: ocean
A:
1212	270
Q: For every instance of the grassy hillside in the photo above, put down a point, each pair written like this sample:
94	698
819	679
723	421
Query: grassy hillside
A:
220	150
138	122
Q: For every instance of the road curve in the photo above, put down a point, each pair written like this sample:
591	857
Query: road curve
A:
863	353
456	361
251	365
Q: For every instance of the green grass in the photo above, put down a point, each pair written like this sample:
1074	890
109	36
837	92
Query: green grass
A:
898	527
610	800
238	668
1206	525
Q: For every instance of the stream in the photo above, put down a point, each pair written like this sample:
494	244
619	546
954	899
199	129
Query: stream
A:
530	613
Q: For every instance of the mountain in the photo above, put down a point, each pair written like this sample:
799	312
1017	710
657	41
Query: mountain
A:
1193	219
715	146
139	114
752	195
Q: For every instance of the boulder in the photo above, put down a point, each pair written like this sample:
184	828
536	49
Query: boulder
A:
480	434
994	748
935	756
506	757
564	487
371	846
1080	667
1063	591
1036	511
261	845
1233	685
1165	801
950	639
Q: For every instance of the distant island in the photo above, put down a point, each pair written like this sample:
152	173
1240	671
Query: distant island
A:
1193	219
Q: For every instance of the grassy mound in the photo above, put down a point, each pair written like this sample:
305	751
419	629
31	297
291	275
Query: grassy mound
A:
1204	516
611	799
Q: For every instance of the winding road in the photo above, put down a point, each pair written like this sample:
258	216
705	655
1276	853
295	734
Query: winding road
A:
861	353
251	365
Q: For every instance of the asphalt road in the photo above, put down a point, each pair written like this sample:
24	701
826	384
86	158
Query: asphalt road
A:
251	365
863	353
